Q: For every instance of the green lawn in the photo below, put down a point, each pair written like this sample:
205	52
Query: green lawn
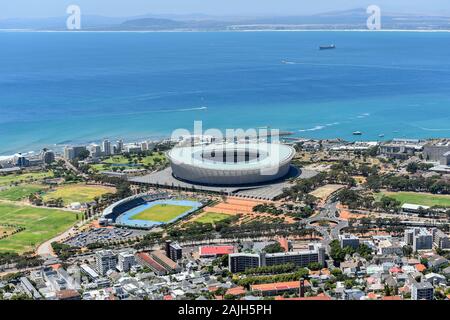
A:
212	217
24	177
40	225
77	193
120	161
20	192
161	212
425	199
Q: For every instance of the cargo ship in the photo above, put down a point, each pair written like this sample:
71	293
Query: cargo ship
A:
331	46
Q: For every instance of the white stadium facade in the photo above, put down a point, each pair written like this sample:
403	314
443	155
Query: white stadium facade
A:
231	164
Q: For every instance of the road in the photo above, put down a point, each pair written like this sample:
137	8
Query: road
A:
45	250
327	213
72	167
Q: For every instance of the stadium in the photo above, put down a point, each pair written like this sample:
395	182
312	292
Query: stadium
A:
231	164
146	211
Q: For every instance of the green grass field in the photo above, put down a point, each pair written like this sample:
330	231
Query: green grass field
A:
425	199
161	212
24	177
40	225
20	192
77	193
211	217
123	162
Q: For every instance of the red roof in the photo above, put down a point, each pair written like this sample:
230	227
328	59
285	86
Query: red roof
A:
284	243
150	261
391	298
395	270
278	286
216	250
168	297
236	291
420	267
321	296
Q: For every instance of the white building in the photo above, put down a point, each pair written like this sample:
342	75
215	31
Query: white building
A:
105	260
125	261
106	147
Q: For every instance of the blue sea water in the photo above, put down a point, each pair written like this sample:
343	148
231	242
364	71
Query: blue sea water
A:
60	88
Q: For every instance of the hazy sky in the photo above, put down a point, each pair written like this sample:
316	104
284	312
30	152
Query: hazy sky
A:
49	8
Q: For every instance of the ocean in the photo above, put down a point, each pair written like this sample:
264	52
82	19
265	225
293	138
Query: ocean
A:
60	88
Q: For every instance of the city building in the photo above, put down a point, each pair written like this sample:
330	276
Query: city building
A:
349	240
89	272
21	161
445	159
48	156
105	260
119	146
160	257
144	259
215	251
132	148
68	294
95	150
125	260
173	251
278	288
440	239
419	238
422	291
408	208
106	147
144	146
401	148
29	288
239	262
434	151
71	153
388	247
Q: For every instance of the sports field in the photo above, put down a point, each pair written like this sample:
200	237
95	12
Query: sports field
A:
157	213
425	199
77	193
161	212
24	177
211	217
20	192
40	225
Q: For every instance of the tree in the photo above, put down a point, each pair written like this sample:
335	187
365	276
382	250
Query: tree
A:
412	167
273	248
407	250
314	266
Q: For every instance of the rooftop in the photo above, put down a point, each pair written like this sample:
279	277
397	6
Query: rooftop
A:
277	286
215	250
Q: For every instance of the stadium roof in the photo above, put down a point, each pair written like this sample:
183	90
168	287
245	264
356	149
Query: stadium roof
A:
276	153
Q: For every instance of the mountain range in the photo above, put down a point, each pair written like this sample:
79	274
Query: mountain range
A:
336	20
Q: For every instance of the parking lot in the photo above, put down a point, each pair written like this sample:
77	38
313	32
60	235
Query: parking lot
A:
103	235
